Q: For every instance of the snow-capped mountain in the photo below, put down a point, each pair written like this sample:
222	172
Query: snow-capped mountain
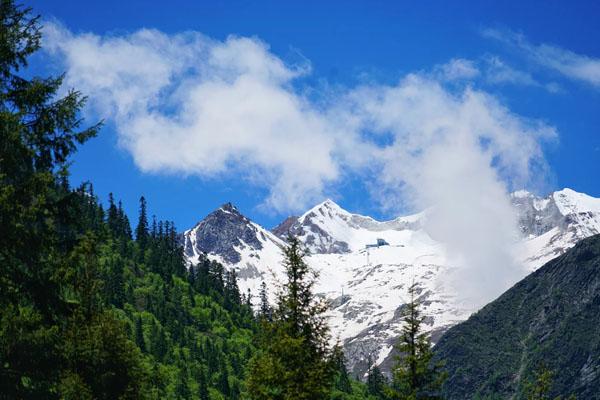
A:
553	224
366	265
225	235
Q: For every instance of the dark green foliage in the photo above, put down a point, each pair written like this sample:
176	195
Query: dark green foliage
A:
295	360
190	325
376	383
141	232
88	312
539	389
341	381
202	386
550	318
139	335
414	375
265	311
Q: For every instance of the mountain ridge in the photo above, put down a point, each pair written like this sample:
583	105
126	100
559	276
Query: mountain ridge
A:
365	285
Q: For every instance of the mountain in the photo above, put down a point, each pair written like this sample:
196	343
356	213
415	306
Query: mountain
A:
552	317
367	284
555	223
226	236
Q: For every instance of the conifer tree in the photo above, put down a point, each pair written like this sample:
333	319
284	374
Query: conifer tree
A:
113	216
202	386
139	334
295	360
223	383
376	382
415	376
541	387
342	380
141	232
265	311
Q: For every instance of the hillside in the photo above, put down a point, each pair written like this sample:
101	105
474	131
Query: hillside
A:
550	318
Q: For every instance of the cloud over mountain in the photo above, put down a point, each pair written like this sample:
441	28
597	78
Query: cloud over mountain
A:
188	104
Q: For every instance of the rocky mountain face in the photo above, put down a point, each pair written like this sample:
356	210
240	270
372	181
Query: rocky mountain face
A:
232	239
550	318
553	224
366	284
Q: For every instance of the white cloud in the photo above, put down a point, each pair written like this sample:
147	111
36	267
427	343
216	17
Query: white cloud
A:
568	63
490	70
500	72
457	154
185	103
457	69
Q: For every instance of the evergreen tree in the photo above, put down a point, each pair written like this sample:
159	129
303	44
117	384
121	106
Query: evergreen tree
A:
541	387
415	376
113	216
202	386
141	232
376	383
342	380
139	334
265	311
223	383
182	390
295	360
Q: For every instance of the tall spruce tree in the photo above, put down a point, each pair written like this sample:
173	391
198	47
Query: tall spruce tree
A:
376	382
415	376
265	311
202	386
139	334
141	231
295	360
342	379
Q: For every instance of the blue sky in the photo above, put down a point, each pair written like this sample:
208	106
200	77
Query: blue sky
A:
539	62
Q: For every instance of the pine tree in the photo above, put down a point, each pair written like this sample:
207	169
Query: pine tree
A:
141	232
139	334
223	383
113	216
294	360
182	389
342	380
124	227
376	383
265	311
202	386
415	376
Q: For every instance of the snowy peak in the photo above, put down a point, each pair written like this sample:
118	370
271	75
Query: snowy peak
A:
327	228
571	202
563	210
552	224
328	209
224	233
322	228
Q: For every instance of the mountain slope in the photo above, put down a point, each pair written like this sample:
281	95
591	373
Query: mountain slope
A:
551	317
366	286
